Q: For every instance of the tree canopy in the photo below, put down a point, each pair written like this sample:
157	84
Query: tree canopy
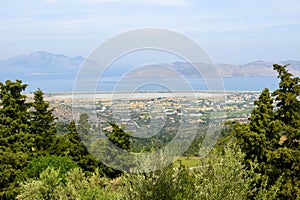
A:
272	136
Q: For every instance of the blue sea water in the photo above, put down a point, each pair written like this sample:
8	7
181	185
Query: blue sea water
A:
250	83
230	84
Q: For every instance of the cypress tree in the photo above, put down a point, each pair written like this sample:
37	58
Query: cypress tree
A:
15	138
42	123
272	136
78	151
27	130
285	159
119	137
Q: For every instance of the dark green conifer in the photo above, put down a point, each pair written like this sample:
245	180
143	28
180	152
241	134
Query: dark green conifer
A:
119	137
15	139
42	123
78	151
272	136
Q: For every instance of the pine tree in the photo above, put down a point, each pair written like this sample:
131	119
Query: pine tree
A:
262	115
15	138
285	159
119	137
42	123
78	151
272	136
288	105
253	137
13	112
91	142
84	127
27	130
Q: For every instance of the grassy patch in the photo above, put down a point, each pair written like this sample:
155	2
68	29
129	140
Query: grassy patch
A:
189	161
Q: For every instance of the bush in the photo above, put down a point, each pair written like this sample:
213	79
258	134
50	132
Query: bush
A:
218	176
37	165
76	186
43	188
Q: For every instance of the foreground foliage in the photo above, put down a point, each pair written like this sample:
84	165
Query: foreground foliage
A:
218	176
272	137
76	185
39	164
27	130
222	175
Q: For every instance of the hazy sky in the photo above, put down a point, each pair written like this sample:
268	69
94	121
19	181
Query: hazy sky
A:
235	31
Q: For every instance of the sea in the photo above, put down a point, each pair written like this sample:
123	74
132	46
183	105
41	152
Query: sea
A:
109	85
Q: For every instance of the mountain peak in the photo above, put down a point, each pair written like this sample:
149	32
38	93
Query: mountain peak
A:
45	54
41	53
261	63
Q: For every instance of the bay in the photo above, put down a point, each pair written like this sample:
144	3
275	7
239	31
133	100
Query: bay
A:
108	85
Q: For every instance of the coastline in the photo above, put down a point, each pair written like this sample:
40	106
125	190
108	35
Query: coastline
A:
143	95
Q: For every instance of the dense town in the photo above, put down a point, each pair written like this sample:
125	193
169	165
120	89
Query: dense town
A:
235	106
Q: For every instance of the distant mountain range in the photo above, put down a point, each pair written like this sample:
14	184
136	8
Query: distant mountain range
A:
41	66
256	68
39	63
44	63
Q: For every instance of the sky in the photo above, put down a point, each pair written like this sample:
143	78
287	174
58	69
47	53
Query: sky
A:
230	31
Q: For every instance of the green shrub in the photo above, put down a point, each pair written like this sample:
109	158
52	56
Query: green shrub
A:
76	186
43	188
39	164
218	176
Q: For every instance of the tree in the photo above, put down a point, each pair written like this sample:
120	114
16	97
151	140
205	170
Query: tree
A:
14	118
272	136
119	137
15	138
288	105
42	123
84	127
77	142
70	144
26	130
113	150
258	137
286	157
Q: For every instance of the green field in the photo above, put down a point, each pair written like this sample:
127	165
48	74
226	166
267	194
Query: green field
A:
189	161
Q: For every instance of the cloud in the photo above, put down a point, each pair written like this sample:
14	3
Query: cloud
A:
166	2
147	2
102	1
51	1
78	1
32	25
45	73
